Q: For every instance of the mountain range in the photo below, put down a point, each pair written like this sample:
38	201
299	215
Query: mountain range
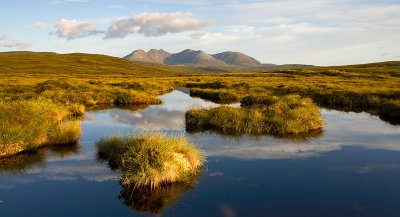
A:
194	58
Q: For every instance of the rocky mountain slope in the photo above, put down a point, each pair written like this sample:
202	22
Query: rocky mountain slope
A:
153	55
194	58
237	59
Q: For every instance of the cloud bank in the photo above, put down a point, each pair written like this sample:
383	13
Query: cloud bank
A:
72	29
147	24
7	41
155	24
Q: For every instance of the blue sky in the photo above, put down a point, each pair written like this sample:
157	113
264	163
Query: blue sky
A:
320	32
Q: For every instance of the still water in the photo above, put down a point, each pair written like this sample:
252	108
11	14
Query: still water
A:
352	169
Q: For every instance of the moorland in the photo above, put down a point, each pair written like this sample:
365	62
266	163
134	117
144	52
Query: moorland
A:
55	89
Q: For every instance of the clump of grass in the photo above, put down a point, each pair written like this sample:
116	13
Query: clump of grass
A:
263	99
151	160
289	115
293	115
217	96
65	132
209	85
122	99
135	98
27	125
76	109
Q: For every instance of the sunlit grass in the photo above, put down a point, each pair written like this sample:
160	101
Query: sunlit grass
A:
151	159
98	80
217	96
288	115
27	125
34	85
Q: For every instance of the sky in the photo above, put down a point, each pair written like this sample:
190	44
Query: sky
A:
318	32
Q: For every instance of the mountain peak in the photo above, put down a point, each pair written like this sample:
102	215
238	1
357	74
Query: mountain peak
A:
153	55
237	59
187	51
193	57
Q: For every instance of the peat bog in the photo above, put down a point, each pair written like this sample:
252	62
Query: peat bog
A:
306	173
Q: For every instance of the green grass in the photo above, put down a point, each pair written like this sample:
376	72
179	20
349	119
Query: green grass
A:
288	115
218	96
27	125
152	159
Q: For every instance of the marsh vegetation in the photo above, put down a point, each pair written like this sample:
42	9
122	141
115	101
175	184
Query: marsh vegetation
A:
151	159
336	160
79	81
27	125
288	115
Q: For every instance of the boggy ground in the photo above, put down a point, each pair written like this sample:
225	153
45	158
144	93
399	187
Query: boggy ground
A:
373	88
97	80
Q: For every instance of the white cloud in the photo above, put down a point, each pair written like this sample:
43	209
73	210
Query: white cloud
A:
7	41
214	38
155	24
39	25
72	29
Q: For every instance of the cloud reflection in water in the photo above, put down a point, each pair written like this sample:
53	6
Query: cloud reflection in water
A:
341	129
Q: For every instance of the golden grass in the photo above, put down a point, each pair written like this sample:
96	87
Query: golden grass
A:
97	80
27	125
288	115
152	159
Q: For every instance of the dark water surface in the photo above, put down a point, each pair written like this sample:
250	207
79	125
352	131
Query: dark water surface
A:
353	169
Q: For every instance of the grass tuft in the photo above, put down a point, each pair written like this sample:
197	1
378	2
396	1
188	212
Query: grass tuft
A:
151	160
217	96
76	110
263	99
289	115
27	125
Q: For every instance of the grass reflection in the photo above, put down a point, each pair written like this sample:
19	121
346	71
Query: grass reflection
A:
21	163
155	200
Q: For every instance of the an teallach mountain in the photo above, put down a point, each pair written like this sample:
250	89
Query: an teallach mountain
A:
193	57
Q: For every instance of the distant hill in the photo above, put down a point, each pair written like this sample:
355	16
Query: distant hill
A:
237	59
42	63
195	58
47	63
155	56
